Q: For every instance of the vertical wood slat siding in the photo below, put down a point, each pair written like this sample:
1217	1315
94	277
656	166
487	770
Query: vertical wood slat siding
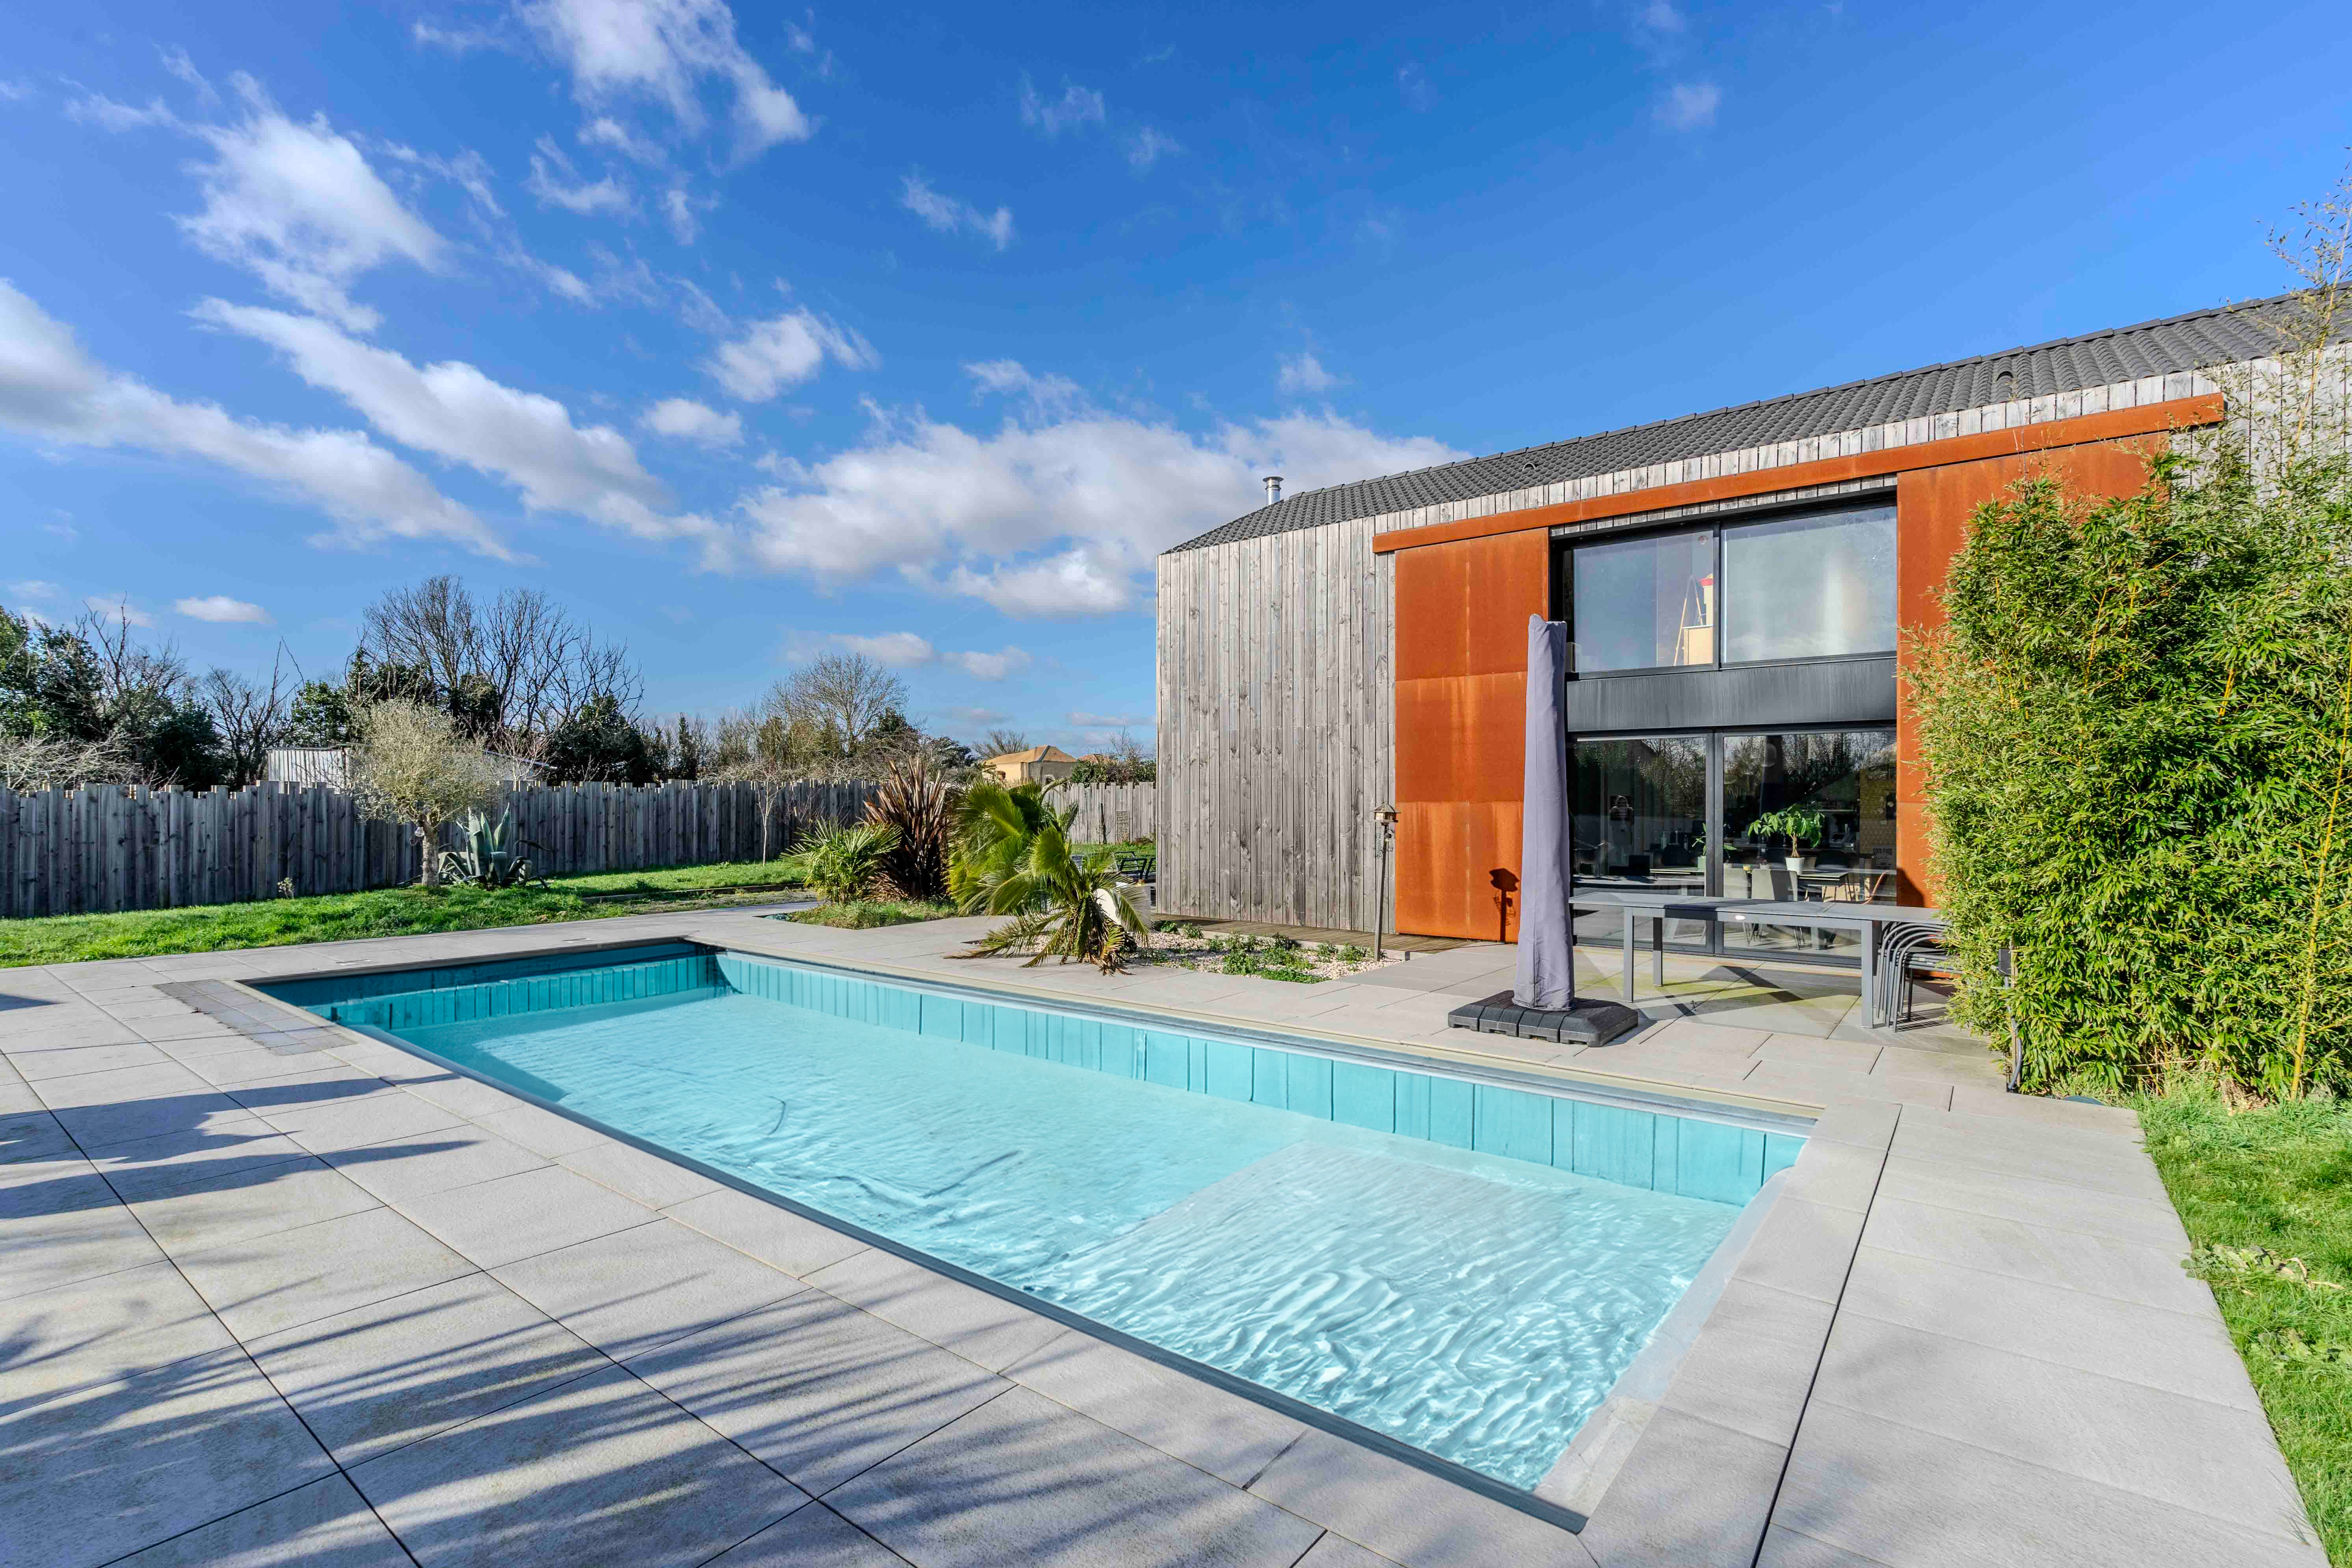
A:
105	847
1274	730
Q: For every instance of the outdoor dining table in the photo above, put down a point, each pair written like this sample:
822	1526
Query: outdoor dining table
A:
1638	905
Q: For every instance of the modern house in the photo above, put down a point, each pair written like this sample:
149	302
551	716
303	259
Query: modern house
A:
1737	585
1038	764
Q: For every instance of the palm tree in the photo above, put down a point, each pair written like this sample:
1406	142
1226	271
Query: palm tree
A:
1017	860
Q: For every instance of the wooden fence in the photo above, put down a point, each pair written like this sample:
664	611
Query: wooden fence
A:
1110	813
108	846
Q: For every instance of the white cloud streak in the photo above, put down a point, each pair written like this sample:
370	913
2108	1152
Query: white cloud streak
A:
784	351
222	609
51	390
684	419
1148	146
1302	371
455	412
664	50
557	183
948	213
118	608
908	651
1057	513
1689	106
1078	108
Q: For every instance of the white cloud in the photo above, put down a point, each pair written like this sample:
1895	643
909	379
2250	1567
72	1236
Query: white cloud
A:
15	91
299	207
95	108
1413	86
221	607
453	410
34	588
663	49
1005	661
1660	16
52	390
557	183
606	132
947	213
1078	108
684	419
118	608
1058	512
679	206
907	650
457	40
1108	721
1689	106
784	351
1302	371
1148	146
177	63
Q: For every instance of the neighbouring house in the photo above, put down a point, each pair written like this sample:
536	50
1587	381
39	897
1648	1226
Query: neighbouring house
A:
1736	584
331	765
1038	764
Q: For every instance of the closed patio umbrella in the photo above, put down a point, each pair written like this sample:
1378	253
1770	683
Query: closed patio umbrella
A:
1546	974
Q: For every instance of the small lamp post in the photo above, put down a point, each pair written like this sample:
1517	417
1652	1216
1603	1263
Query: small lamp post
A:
1386	816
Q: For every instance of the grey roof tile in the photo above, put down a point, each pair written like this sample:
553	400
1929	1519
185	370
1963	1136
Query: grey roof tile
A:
2192	342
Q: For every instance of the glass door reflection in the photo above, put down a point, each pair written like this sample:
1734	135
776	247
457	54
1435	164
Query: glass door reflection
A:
1808	817
1638	819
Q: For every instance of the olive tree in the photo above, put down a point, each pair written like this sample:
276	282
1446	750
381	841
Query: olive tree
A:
412	766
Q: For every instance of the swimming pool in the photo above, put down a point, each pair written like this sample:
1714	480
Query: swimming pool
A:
1465	1267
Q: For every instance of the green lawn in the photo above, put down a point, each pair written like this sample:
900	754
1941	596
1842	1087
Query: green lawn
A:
864	914
388	911
2266	1194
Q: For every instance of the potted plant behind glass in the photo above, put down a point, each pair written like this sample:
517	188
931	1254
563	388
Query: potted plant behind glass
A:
1801	827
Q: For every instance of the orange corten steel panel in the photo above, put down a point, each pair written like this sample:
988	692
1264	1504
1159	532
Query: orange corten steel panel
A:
1461	715
2174	414
1932	510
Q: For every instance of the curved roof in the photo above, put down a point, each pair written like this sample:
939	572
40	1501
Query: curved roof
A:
2187	342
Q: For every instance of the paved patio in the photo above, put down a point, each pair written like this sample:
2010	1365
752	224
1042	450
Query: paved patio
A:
274	1292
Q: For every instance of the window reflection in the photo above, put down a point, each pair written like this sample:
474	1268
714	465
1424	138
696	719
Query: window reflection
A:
1808	817
1640	809
1810	587
1644	603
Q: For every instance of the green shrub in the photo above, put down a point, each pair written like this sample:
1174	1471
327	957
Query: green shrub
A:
845	864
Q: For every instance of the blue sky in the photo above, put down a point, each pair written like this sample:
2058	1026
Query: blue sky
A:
754	333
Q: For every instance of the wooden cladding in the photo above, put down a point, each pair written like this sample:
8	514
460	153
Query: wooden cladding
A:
2174	413
1461	615
1932	510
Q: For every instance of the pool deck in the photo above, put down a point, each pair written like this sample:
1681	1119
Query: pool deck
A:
271	1291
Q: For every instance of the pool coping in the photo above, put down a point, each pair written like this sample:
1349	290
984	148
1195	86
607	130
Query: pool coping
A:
1597	1474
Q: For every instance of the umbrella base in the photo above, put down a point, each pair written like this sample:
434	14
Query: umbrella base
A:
1580	1023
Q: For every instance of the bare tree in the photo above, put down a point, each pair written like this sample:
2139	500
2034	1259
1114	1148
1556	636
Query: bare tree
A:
514	670
1002	742
44	761
128	671
412	766
249	718
844	694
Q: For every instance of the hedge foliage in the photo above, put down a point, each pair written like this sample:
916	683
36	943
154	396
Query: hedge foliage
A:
2135	730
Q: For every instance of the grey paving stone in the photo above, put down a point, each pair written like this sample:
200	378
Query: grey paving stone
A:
2214	1460
817	1388
1785	1548
999	1485
32	1135
37	1067
519	1217
468	1097
1869	1124
1338	1552
148	1081
1803	1248
1229	1436
101	1126
1894	1494
2189	1353
638	1288
374	1119
2094	1161
651	1180
258	1065
94	1332
323	1525
67	1185
454	1157
1839	1176
976	1325
1406	1514
150	1167
541	1131
2062	1205
774	1234
812	1536
2046	1112
1691	1491
271	1282
600	1471
1753	1360
399	1370
17	1098
41	1251
2124	1270
248	1203
106	1471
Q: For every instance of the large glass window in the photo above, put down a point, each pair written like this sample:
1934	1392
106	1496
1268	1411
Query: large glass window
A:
1641	810
1809	587
1807	816
1644	603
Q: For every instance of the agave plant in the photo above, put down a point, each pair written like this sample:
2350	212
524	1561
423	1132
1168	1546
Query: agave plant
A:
920	805
847	863
1067	904
488	858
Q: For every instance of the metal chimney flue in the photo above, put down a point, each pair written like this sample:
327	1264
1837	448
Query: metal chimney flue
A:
1273	488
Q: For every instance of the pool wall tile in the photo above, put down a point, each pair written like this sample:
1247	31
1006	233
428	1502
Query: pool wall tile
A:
1624	1144
1512	1123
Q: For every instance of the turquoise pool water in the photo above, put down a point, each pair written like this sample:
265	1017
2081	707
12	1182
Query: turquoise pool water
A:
1475	1304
